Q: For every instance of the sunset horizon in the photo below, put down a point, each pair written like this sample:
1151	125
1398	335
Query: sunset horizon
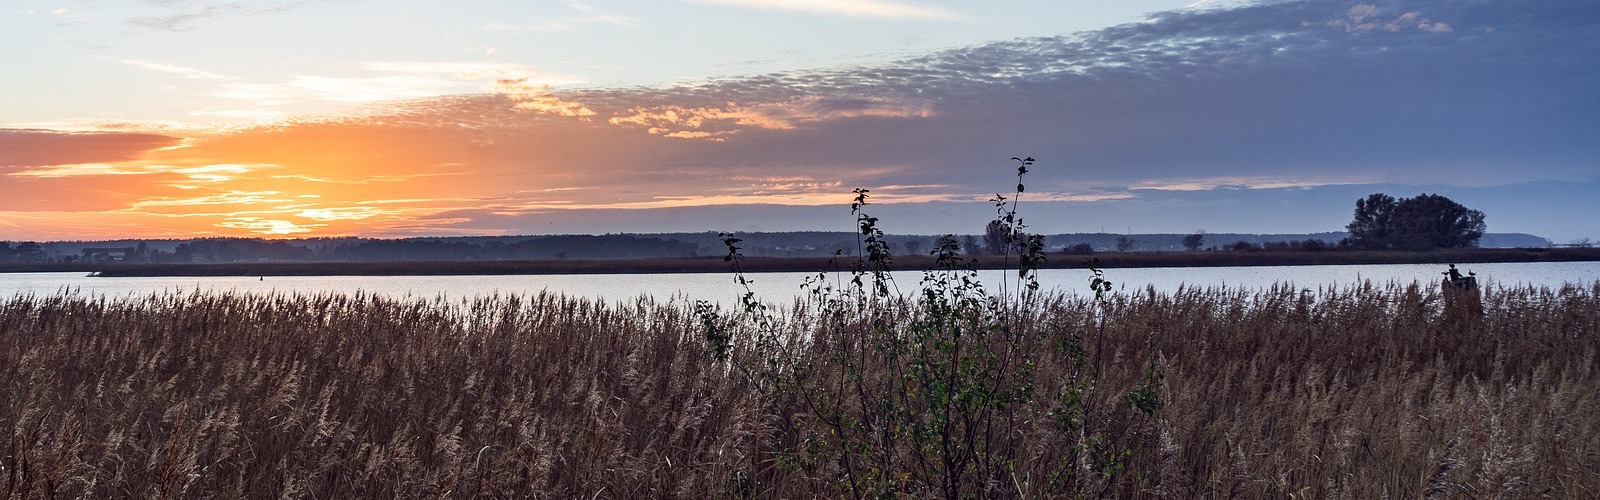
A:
306	119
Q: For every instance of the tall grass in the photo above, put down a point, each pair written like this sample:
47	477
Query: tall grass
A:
1355	392
336	396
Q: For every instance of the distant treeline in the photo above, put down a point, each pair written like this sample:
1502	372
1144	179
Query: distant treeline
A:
637	246
361	249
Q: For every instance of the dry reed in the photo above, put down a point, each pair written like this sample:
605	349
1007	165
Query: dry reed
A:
1362	392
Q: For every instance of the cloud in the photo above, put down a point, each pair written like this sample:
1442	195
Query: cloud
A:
259	94
214	173
35	148
372	89
539	98
1260	112
74	170
589	15
176	70
69	16
880	9
603	16
343	213
475	71
188	15
1260	182
246	115
549	25
1368	17
346	90
232	197
719	122
1263	97
270	227
365	180
111	188
394	81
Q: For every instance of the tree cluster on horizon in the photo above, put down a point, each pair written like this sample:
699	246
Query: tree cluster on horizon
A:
1381	222
1422	222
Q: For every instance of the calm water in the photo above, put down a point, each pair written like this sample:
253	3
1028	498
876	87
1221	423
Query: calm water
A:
783	286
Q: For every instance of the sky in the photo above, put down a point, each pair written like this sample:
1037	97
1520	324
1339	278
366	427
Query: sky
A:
399	118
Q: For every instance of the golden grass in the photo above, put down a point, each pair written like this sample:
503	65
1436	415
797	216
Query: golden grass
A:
1357	392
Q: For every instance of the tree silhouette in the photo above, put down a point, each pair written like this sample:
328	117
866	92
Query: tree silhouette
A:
30	251
969	243
1373	222
1193	241
994	238
946	241
1423	222
1124	243
913	247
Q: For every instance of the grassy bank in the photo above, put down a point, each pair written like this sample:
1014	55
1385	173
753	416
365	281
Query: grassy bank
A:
807	264
1205	393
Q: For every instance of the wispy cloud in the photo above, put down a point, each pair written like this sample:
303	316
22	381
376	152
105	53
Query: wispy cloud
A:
372	89
244	115
1259	182
367	179
587	15
529	87
605	17
549	25
540	98
74	170
214	173
389	81
368	89
269	227
1368	17
343	213
478	71
32	148
188	15
881	9
176	70
68	16
232	197
720	122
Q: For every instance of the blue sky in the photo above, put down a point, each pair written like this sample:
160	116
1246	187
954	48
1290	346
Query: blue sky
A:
197	61
301	118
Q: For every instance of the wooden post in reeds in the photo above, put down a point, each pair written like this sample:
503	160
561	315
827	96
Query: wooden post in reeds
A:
1462	299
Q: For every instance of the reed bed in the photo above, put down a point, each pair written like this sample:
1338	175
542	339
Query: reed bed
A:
1361	392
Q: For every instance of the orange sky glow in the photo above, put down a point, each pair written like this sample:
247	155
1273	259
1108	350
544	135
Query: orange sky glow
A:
391	175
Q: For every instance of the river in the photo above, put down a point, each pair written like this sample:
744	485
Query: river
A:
783	286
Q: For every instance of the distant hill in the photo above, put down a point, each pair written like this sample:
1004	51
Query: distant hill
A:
621	246
1161	242
1512	240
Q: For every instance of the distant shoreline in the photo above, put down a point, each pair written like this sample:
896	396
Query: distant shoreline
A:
810	264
